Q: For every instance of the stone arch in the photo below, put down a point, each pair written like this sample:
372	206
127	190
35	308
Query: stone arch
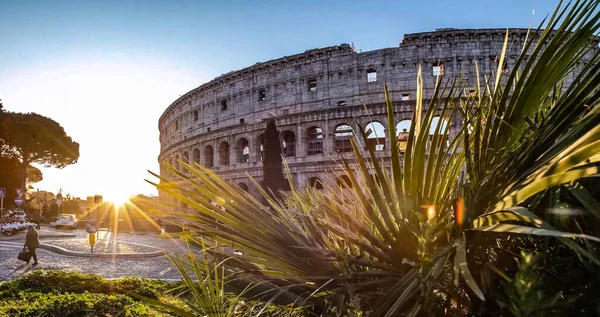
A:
315	140
224	153
402	130
443	135
196	156
315	182
209	156
260	147
288	143
342	135
403	126
375	136
242	150
343	181
185	157
176	162
243	186
434	123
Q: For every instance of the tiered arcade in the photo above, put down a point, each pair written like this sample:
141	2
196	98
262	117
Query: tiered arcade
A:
316	98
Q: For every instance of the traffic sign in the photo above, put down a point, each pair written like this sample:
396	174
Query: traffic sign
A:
19	192
19	201
59	199
91	228
2	192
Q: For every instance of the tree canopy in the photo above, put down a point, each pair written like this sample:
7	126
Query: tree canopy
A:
32	138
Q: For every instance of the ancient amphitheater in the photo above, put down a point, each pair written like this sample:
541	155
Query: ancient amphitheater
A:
316	97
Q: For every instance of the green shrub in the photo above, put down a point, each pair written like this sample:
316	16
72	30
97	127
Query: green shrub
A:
34	304
63	294
68	282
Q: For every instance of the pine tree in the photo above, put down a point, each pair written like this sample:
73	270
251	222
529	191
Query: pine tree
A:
273	179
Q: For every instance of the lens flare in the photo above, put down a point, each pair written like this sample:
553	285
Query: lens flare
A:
460	211
430	212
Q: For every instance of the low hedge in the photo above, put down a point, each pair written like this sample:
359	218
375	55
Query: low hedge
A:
74	305
57	293
65	282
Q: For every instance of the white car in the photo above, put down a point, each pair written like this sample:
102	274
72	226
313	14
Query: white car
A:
67	220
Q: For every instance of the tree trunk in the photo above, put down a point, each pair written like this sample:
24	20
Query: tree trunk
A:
23	182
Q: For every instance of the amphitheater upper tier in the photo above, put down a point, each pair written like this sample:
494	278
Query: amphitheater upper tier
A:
316	97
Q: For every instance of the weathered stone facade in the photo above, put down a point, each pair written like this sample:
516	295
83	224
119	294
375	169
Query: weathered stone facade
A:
221	122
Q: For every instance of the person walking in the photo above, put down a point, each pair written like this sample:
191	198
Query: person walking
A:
32	242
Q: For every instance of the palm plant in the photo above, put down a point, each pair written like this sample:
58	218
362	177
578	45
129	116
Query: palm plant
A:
400	239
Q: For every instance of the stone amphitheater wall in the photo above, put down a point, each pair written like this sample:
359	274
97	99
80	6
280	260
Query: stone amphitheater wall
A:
325	88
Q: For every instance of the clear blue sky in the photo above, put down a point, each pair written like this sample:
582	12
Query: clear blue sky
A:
106	70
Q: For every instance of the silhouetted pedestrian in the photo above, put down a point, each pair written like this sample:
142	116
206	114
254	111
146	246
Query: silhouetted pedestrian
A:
32	242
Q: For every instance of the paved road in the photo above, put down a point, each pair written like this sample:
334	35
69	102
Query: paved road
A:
149	239
158	267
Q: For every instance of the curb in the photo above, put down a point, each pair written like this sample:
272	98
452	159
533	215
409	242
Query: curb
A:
63	251
132	243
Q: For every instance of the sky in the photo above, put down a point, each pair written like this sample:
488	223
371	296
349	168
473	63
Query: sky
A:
106	70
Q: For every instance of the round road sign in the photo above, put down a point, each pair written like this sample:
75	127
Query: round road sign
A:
91	227
19	201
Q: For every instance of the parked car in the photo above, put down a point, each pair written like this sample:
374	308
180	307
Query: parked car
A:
67	220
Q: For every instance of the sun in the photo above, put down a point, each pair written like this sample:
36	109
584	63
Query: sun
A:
119	199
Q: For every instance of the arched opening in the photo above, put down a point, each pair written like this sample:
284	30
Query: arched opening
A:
315	182
176	162
196	156
243	186
402	129
260	147
375	136
342	135
186	159
170	164
242	150
443	135
315	141
209	160
224	154
288	143
343	181
434	123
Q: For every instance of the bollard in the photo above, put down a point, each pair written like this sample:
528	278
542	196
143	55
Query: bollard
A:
92	237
